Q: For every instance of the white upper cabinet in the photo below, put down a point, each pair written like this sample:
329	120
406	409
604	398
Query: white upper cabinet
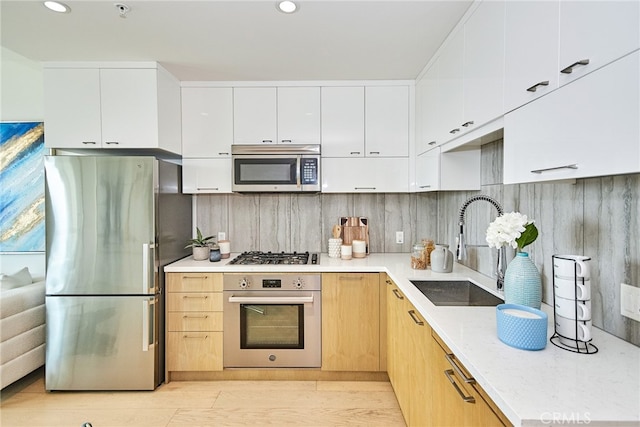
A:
365	175
387	121
269	115
206	175
453	170
207	122
590	127
428	123
342	121
470	89
484	65
552	43
598	32
299	115
92	107
531	51
255	115
451	96
72	116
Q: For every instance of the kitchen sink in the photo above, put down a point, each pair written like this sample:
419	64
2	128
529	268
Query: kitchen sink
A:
456	293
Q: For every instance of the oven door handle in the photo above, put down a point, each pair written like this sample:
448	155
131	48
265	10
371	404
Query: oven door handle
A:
271	300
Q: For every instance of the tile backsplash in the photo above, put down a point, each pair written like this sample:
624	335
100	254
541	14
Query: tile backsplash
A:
597	217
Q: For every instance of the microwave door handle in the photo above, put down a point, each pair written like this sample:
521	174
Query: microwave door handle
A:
298	171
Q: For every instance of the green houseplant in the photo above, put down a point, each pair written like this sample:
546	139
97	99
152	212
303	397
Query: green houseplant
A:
200	246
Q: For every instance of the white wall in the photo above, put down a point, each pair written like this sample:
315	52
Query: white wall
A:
21	99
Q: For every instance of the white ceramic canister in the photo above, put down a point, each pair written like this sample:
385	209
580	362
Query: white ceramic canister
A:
359	248
225	248
334	248
346	252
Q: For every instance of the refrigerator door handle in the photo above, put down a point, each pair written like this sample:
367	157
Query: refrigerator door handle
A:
147	274
148	324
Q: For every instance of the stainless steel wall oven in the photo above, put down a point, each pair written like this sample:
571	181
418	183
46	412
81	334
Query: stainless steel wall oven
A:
272	320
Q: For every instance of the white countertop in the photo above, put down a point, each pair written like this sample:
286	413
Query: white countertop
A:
550	386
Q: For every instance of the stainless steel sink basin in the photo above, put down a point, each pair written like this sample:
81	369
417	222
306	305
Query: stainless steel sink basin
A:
456	293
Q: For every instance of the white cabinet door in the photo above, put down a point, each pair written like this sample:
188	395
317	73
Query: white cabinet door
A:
590	127
428	123
365	175
207	122
254	115
428	170
598	31
450	171
343	121
72	108
531	51
451	85
387	121
206	176
129	108
484	65
299	115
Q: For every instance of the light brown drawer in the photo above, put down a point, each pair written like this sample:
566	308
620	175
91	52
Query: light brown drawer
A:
194	282
194	321
194	301
194	351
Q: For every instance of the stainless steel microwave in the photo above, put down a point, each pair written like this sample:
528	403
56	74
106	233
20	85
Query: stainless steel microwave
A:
275	168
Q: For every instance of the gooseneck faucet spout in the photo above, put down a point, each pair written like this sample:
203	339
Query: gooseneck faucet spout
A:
460	241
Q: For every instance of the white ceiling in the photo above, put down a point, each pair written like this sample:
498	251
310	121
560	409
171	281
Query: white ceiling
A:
240	39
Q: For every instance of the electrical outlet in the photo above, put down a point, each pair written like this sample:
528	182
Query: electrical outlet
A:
399	237
630	301
222	235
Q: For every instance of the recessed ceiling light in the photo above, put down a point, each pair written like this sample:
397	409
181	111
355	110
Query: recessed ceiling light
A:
57	6
287	6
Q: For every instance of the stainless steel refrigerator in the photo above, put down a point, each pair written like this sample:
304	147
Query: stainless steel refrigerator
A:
112	223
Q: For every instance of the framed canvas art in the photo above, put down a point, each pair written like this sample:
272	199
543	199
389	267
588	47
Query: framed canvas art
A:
22	187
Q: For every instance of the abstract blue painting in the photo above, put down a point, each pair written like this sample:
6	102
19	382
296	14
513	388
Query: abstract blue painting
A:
22	187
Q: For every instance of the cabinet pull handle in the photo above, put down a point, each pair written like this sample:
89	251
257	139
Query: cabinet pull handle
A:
223	154
569	69
355	152
208	188
359	278
389	282
425	186
89	142
201	337
412	313
267	141
374	152
112	142
194	297
431	143
467	124
535	86
397	294
572	166
452	362
194	277
286	140
467	399
364	188
454	131
186	316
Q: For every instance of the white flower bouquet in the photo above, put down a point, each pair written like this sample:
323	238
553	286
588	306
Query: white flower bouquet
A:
512	229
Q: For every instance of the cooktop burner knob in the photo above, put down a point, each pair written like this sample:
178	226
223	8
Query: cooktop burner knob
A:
298	283
243	283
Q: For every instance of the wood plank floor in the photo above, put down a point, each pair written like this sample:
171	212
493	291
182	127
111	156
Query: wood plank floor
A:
204	403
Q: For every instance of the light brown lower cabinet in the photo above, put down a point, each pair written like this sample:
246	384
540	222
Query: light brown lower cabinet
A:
194	322
351	322
432	387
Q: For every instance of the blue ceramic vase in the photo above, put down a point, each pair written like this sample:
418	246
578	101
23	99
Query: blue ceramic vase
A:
522	284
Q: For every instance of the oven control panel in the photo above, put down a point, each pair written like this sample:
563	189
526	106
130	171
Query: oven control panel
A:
271	281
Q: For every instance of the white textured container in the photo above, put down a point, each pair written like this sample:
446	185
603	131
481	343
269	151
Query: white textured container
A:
334	248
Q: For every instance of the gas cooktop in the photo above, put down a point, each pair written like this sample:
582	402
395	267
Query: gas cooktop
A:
258	257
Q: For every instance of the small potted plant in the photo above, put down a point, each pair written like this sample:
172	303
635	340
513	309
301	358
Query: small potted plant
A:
200	246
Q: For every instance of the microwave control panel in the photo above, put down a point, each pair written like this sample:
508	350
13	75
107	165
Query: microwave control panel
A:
309	171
